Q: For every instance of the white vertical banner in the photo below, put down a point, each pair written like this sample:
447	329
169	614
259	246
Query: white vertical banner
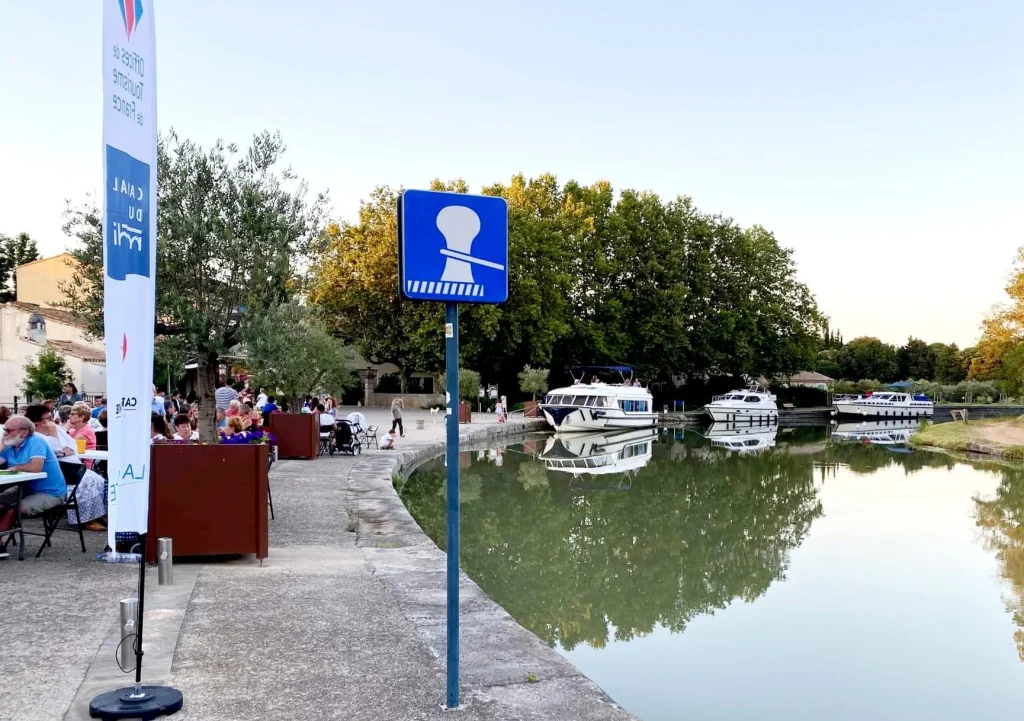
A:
129	254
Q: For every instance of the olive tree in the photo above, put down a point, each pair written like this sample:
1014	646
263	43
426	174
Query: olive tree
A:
234	234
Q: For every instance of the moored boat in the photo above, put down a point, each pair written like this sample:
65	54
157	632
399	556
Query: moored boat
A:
886	404
750	405
741	439
597	405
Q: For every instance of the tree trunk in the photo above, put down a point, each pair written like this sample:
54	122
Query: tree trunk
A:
206	385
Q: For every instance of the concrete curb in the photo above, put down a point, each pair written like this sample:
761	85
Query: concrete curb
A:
498	655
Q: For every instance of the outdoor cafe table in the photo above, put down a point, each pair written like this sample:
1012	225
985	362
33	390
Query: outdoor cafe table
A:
17	479
95	455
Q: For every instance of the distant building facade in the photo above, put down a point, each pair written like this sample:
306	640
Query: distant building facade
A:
32	322
810	379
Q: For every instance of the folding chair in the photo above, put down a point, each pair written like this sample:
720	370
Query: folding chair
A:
326	440
371	434
52	517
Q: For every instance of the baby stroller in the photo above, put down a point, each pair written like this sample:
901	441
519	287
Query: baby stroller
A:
345	438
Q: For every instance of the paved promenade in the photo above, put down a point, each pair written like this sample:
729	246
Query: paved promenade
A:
344	620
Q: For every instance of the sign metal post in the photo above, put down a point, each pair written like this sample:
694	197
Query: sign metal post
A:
453	248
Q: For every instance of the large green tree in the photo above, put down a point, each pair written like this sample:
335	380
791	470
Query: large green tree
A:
916	360
868	357
234	234
14	251
46	376
638	280
289	351
950	363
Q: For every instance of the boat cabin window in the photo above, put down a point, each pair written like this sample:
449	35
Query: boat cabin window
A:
736	398
591	400
751	399
633	406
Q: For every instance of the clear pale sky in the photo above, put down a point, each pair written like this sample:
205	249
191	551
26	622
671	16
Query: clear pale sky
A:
882	141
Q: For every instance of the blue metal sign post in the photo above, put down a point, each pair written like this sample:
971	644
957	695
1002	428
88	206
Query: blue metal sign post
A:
453	248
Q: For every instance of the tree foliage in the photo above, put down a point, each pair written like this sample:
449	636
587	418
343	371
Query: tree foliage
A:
916	359
999	355
234	236
868	358
14	251
46	377
289	351
469	384
656	284
533	380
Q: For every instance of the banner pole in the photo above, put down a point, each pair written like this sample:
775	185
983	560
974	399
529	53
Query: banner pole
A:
452	459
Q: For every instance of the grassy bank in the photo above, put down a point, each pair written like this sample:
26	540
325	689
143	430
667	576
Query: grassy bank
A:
996	436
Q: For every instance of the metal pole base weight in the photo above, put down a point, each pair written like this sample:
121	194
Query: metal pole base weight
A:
154	702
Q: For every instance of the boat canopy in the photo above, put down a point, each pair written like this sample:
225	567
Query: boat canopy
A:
619	369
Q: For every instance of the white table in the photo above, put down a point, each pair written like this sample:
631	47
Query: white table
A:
18	479
95	455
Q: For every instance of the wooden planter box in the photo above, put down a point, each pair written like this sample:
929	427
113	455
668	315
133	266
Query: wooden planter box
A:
531	409
298	435
465	412
210	499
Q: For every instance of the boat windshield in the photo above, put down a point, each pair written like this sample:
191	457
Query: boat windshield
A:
736	398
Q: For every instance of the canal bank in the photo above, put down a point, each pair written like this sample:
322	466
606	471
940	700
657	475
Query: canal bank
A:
507	671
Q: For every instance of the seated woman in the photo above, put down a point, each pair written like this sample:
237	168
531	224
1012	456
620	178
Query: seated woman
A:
183	428
56	437
234	432
158	427
79	428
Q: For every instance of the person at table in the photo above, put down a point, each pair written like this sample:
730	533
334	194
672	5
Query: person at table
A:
161	433
80	417
63	416
5	413
70	396
59	441
26	452
234	432
269	409
183	428
234	409
326	419
250	416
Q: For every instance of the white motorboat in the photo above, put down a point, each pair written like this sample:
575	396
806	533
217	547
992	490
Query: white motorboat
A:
741	439
597	405
599	453
752	405
881	433
886	404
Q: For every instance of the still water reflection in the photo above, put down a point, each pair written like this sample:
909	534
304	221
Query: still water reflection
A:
787	575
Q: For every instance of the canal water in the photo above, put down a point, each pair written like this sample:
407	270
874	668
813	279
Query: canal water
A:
790	575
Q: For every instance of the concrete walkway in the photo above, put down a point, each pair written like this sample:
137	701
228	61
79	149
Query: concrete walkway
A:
344	620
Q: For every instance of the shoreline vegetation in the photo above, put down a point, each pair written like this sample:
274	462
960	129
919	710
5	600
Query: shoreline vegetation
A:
1001	437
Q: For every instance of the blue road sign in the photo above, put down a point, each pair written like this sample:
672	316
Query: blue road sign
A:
453	247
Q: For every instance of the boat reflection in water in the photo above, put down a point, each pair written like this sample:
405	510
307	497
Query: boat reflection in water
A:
596	454
741	439
880	433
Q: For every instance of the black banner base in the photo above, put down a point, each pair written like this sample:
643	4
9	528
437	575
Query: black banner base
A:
154	702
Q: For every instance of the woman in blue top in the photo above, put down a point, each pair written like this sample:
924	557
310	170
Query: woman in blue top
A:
24	451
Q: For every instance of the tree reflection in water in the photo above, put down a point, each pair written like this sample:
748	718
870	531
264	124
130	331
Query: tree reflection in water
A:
1002	519
570	561
697	528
